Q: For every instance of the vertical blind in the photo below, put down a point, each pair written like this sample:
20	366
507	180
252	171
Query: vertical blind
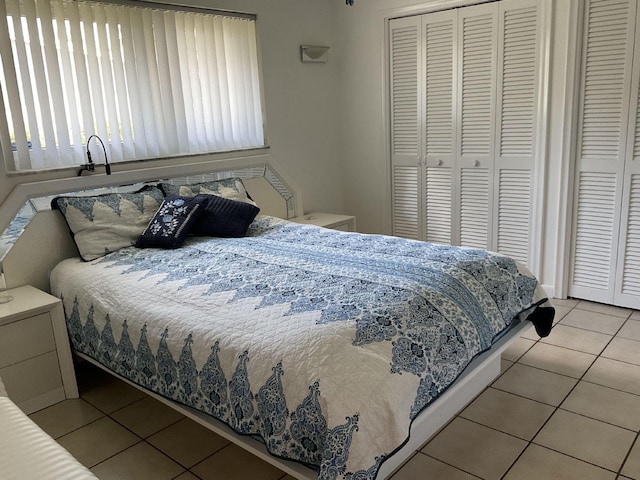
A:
152	82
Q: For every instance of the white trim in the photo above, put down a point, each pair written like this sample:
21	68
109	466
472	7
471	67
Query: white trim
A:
542	158
549	290
430	7
387	210
567	150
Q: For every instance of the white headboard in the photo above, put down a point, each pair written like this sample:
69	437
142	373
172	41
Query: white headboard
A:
45	240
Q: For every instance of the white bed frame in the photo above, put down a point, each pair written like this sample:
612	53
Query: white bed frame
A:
27	263
474	379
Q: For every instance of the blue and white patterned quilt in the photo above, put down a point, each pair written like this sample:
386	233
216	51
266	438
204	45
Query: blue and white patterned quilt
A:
325	344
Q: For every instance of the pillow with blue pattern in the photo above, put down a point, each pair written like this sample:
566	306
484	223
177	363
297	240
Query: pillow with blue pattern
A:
172	222
224	217
232	188
101	224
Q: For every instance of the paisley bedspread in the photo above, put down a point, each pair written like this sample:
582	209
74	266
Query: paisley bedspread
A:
325	344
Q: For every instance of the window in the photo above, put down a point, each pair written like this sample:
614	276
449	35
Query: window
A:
152	81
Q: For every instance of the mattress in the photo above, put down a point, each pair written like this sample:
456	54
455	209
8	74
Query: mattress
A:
27	452
325	345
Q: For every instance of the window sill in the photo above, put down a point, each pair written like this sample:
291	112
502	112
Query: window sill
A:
150	162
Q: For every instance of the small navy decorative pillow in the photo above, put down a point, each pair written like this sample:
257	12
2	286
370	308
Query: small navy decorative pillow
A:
171	223
224	217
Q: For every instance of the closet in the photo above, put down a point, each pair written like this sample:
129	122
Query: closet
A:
465	108
606	218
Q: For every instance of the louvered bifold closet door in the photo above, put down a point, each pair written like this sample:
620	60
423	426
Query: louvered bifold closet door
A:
517	93
406	139
477	65
439	36
627	286
604	112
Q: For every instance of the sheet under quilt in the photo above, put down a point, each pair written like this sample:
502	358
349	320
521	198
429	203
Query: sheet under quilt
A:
325	344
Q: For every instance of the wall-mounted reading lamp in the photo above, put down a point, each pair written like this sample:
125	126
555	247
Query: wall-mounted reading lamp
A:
90	166
314	53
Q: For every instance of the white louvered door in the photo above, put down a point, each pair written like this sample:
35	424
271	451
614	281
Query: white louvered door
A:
516	122
477	64
471	167
627	282
439	40
601	246
406	141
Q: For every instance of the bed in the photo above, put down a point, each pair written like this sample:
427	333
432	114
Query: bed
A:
331	354
27	452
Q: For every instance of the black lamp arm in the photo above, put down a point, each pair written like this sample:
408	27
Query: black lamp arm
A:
90	166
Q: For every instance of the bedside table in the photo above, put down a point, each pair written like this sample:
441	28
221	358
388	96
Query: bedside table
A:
346	223
35	357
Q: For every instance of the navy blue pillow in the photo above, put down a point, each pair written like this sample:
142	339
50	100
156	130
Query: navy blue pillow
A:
223	217
172	222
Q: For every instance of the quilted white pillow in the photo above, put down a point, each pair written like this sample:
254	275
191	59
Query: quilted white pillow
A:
102	224
231	188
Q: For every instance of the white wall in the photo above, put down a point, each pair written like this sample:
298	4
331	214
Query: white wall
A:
301	106
363	137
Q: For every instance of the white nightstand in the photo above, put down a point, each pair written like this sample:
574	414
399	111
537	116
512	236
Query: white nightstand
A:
346	223
35	358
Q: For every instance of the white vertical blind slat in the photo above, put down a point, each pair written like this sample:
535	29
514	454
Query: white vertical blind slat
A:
120	86
136	109
156	125
217	122
205	98
237	81
142	87
169	137
34	154
94	75
175	83
255	115
223	77
37	71
81	85
247	91
196	84
112	141
183	62
58	130
11	101
69	95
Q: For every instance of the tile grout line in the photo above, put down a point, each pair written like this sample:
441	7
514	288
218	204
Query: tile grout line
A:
626	457
116	453
556	408
446	463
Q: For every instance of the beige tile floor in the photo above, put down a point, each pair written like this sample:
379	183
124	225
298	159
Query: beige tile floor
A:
566	407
